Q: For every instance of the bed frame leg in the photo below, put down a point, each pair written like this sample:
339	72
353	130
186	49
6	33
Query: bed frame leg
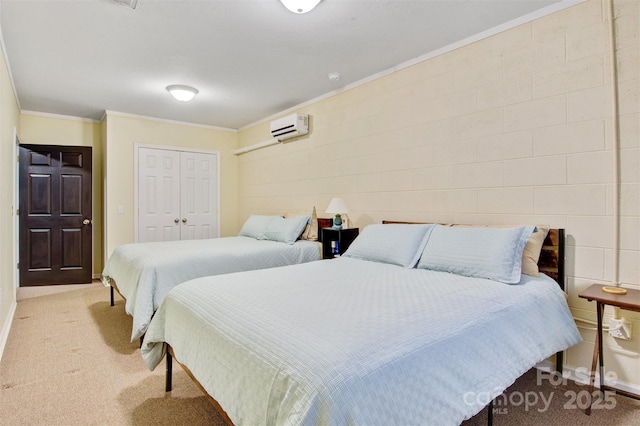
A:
490	414
169	371
559	363
111	287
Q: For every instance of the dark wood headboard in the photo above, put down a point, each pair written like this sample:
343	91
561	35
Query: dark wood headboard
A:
551	261
323	223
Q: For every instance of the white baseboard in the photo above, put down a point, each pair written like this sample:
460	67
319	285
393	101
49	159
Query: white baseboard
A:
4	336
580	376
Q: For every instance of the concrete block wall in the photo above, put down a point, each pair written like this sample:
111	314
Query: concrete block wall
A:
516	128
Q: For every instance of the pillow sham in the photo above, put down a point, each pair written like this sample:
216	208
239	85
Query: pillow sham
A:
532	249
397	244
311	230
492	253
312	235
286	230
255	225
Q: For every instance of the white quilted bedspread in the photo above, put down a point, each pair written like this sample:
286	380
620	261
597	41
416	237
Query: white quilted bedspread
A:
145	272
349	341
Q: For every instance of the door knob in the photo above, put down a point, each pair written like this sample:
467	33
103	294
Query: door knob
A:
184	220
86	222
176	220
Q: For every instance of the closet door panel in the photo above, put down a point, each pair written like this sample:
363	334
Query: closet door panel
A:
199	195
158	195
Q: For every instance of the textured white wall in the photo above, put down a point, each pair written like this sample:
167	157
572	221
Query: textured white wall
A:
9	116
123	132
516	128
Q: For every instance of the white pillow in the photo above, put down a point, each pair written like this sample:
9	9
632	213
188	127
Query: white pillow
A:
255	226
398	244
286	230
492	253
311	230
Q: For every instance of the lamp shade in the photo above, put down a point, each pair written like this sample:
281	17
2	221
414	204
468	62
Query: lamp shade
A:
300	6
337	205
181	92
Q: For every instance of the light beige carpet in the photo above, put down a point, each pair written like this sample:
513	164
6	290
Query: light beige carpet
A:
45	290
68	361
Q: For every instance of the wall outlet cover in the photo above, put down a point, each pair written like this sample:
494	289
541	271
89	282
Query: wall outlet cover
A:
620	329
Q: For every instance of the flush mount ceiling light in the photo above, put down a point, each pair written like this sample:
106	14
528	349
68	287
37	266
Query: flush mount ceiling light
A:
181	92
300	6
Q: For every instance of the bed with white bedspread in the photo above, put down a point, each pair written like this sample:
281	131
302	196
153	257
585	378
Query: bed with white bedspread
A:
143	273
360	340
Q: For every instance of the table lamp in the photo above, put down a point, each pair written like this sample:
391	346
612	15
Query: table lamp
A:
338	207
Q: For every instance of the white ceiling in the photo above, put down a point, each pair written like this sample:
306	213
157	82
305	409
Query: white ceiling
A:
250	59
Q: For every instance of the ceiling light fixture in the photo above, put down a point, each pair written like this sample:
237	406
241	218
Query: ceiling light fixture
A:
181	92
300	6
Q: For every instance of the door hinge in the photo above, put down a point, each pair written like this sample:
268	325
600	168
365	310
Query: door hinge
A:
18	265
17	212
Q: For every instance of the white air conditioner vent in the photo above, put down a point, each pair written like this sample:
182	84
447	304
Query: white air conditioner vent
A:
290	126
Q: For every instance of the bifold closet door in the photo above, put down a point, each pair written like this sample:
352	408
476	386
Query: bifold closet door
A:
177	195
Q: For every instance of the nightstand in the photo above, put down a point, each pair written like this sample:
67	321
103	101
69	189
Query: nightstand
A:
629	301
343	237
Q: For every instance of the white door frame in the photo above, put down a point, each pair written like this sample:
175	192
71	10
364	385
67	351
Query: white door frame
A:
16	204
137	146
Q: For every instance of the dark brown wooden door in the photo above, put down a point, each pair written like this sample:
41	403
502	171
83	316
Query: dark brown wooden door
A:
55	215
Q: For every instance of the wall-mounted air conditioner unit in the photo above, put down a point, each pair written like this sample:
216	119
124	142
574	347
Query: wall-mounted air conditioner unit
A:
290	126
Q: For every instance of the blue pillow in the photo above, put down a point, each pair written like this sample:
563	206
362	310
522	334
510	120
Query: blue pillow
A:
286	230
398	244
492	253
255	226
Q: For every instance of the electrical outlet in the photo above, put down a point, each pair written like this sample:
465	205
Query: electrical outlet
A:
620	329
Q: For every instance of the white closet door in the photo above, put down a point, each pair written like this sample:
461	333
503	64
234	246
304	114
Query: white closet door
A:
198	195
177	195
158	195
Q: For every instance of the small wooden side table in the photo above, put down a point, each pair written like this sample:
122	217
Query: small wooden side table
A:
629	301
343	237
